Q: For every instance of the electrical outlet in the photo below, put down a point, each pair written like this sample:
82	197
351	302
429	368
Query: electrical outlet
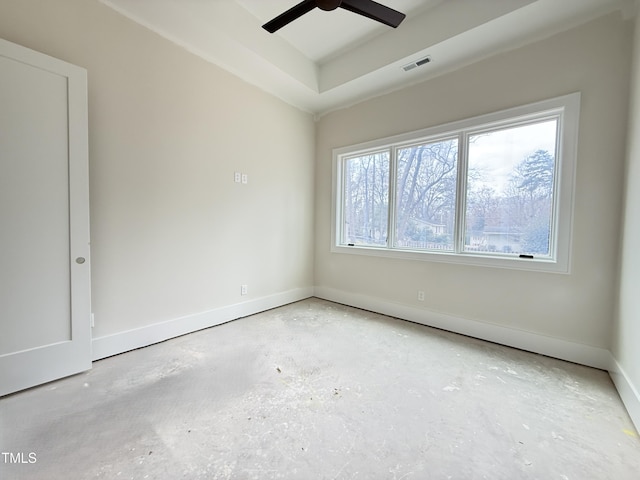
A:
420	296
245	178
244	289
237	177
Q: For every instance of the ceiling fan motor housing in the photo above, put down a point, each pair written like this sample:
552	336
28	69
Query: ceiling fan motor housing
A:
328	5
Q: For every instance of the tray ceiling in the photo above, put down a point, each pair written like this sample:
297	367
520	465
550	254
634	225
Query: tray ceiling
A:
328	60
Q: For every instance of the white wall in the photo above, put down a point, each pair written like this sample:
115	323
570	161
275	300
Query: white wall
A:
172	234
575	308
626	340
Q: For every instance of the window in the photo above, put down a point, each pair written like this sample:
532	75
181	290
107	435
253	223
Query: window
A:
366	196
492	190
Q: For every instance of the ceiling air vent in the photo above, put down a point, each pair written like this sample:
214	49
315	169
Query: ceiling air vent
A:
419	63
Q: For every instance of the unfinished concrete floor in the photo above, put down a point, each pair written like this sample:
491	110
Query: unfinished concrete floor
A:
316	390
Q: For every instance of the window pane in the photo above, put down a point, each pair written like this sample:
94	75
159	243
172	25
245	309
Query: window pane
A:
510	190
426	195
366	199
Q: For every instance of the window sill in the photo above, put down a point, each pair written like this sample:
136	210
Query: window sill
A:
497	261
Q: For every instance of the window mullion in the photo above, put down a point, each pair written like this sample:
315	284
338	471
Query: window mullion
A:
393	165
461	192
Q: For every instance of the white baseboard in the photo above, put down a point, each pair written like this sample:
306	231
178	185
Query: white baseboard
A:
532	342
629	394
109	345
552	347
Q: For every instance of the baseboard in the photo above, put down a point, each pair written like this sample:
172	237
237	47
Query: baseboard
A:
109	345
121	342
117	343
532	342
629	394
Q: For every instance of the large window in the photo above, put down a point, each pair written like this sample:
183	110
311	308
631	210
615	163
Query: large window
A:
492	190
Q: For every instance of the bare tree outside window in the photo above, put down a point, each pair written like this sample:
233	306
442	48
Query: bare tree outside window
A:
366	199
510	196
426	195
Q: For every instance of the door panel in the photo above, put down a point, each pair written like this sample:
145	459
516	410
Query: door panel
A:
44	294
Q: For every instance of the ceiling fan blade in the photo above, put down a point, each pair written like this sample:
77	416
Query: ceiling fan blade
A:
289	16
374	11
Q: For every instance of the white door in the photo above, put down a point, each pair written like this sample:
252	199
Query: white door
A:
45	309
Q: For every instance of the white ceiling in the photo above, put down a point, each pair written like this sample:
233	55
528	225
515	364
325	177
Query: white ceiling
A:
328	60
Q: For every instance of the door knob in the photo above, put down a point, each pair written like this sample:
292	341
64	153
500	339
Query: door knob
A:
80	260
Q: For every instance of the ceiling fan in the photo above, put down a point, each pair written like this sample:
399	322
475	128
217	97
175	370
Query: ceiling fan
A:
367	8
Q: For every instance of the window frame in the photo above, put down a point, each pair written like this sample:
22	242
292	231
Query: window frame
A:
565	108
